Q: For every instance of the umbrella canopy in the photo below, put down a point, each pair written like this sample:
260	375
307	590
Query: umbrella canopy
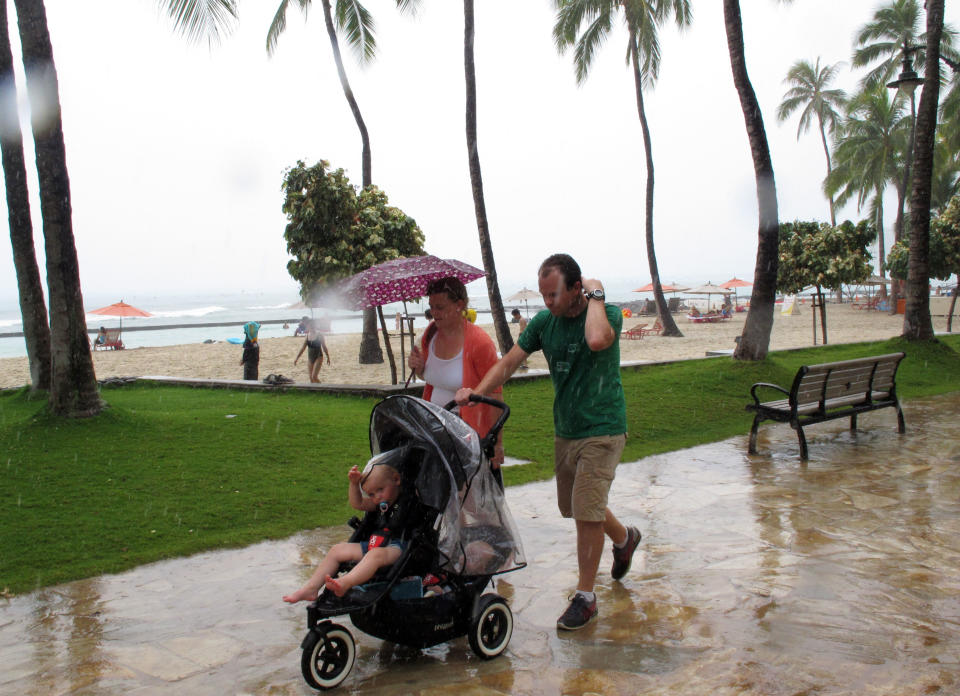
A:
735	283
395	281
120	309
875	280
523	295
666	287
709	289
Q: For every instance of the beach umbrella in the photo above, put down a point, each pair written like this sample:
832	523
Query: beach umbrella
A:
708	289
666	287
735	283
121	309
523	295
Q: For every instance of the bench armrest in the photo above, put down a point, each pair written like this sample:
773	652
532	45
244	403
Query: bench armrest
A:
768	385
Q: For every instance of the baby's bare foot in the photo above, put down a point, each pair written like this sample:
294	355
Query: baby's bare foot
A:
304	593
336	586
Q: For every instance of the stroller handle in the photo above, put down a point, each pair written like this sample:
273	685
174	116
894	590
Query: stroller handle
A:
487	443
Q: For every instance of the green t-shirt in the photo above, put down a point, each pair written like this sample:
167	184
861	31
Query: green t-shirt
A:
588	395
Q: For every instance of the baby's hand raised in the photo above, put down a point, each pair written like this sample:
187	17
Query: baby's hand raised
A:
354	474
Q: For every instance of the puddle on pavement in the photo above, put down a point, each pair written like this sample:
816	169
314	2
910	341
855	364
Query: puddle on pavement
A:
757	575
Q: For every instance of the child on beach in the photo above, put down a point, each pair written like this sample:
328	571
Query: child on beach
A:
378	489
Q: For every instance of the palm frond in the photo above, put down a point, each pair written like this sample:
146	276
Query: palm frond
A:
357	25
589	42
202	19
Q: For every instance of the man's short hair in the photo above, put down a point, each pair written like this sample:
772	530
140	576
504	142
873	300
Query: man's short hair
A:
569	269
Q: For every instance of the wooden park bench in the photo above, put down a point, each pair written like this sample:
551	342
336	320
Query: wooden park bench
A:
830	390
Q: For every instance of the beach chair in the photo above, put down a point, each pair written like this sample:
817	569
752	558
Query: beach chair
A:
655	329
111	340
635	333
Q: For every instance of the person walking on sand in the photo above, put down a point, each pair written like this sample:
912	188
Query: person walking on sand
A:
579	336
250	359
314	344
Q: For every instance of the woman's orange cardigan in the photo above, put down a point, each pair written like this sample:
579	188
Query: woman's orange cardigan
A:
479	355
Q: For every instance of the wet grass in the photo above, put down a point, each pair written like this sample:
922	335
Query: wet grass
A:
169	471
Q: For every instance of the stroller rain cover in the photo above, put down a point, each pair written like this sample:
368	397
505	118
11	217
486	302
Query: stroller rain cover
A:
476	532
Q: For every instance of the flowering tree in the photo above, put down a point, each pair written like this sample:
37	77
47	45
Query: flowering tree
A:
821	255
335	231
944	252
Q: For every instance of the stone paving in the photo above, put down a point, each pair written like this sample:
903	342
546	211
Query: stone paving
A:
756	575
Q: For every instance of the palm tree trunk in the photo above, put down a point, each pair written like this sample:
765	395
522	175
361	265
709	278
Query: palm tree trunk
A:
755	341
370	352
917	325
73	384
33	310
504	339
663	311
826	152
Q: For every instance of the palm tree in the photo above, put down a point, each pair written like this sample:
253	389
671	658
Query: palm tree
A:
755	340
33	310
585	24
917	324
882	40
356	25
809	89
889	41
869	150
73	384
504	339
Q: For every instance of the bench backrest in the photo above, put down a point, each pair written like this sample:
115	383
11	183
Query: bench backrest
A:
111	335
861	376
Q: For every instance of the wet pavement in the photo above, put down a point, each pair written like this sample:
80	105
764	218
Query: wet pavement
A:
756	575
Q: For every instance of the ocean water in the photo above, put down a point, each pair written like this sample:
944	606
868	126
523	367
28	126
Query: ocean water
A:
178	320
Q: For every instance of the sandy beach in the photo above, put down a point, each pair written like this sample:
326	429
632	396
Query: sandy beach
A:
222	360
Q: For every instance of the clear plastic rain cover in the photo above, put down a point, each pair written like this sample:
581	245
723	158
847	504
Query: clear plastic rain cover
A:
476	533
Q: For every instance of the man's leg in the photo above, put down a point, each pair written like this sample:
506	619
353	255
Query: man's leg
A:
589	550
613	529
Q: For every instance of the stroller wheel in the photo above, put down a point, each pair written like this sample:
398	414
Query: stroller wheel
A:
328	655
491	628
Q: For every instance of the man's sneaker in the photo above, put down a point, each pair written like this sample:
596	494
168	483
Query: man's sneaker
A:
623	556
578	614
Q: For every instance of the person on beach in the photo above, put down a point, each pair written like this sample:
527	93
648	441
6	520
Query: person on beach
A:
377	490
316	347
251	351
301	329
579	336
518	319
453	353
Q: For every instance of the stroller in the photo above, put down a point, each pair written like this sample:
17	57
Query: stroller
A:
460	535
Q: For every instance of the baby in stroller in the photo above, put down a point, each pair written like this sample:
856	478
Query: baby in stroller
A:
450	535
377	489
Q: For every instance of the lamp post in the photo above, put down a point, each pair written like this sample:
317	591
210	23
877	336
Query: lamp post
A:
907	82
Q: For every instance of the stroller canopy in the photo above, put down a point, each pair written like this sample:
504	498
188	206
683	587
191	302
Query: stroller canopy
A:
477	535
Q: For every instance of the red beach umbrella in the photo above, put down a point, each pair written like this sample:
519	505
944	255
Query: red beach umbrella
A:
666	287
120	309
735	283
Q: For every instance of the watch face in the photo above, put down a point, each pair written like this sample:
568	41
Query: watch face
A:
597	294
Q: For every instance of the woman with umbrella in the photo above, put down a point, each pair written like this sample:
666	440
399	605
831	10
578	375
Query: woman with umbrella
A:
455	353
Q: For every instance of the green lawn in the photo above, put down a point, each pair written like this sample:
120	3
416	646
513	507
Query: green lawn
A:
168	471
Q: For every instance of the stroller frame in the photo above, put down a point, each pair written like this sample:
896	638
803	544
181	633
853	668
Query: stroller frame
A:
381	610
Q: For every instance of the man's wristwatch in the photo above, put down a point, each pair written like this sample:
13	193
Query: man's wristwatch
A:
594	294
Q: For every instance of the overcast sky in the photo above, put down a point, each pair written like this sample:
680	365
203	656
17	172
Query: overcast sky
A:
176	152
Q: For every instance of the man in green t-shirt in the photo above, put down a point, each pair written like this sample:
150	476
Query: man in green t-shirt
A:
579	335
